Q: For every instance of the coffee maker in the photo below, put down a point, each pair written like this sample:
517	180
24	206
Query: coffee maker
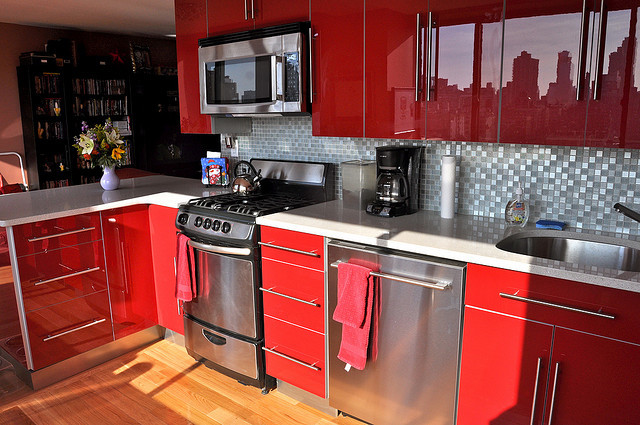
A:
398	178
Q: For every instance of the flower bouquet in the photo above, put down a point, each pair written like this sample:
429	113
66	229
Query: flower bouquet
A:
101	145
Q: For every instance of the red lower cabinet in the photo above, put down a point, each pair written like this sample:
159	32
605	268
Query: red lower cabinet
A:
64	330
163	248
572	360
129	269
295	355
293	298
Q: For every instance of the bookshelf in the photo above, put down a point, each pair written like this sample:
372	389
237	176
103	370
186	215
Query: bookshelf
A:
43	103
55	100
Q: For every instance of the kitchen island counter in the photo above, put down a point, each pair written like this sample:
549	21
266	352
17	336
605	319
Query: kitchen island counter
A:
470	239
28	207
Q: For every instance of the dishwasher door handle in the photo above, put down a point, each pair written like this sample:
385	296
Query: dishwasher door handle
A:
440	285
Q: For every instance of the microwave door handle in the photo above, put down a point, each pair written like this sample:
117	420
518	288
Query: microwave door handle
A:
276	77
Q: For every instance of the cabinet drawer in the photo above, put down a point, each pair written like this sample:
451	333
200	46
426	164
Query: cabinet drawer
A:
57	233
294	294
293	247
295	355
486	284
64	330
60	275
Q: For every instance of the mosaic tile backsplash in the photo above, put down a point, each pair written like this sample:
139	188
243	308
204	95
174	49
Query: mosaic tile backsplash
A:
576	185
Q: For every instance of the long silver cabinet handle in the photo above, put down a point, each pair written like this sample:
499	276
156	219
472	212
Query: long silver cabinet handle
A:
57	235
429	52
535	390
220	249
418	57
93	323
245	10
78	273
599	59
553	393
284	248
270	291
554	305
311	64
580	77
433	284
284	356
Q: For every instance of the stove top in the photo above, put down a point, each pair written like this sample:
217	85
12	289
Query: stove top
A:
252	204
231	217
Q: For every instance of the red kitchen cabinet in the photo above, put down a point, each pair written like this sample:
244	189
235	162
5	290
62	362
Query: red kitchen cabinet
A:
229	16
129	269
293	301
395	80
462	66
500	371
163	249
586	371
613	78
66	329
337	68
191	25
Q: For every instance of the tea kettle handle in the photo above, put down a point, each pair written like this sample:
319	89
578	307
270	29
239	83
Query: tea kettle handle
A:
255	173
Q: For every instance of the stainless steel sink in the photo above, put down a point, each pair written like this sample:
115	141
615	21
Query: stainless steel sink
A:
577	248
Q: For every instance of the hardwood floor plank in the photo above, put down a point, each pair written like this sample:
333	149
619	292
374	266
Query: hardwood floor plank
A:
157	385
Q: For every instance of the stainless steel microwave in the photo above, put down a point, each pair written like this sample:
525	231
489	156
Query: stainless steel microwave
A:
264	71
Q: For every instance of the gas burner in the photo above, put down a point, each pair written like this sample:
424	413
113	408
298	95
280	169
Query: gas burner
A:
252	205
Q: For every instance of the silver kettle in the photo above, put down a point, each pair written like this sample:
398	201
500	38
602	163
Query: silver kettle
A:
246	182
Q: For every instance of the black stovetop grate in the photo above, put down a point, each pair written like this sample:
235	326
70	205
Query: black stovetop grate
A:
251	204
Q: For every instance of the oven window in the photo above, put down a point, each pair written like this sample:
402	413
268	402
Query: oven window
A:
239	81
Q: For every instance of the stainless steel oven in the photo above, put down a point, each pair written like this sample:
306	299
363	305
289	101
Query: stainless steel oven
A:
262	71
222	325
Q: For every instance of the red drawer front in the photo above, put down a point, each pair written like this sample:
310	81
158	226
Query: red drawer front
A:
311	244
57	233
297	282
60	275
484	285
298	344
68	329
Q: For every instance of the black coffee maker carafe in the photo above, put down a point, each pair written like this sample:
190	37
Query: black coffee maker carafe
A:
398	178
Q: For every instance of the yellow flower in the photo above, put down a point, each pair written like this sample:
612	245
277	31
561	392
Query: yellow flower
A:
117	153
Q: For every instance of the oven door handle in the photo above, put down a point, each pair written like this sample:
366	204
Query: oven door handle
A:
220	249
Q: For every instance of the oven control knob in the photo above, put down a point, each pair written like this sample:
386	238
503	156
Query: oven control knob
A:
216	225
183	218
226	227
198	222
207	223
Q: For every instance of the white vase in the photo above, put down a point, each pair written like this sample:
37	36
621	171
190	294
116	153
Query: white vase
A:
109	179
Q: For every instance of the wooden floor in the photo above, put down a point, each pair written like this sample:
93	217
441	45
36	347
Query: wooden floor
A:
160	384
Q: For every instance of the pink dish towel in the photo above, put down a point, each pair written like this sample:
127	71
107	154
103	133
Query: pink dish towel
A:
185	270
356	307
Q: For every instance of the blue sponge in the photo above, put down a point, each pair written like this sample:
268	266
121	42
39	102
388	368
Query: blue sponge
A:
550	224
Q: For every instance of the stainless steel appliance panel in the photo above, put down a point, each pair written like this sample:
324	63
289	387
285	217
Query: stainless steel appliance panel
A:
414	379
226	293
222	349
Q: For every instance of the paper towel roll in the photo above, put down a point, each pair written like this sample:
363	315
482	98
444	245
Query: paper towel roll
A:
448	186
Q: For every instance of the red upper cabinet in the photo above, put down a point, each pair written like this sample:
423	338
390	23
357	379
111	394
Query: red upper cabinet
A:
545	52
394	71
229	16
462	64
129	269
191	25
337	68
163	248
614	104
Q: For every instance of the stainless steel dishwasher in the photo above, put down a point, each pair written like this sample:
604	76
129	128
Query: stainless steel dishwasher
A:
414	379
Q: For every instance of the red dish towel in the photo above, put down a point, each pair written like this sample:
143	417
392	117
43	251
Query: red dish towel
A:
185	270
357	309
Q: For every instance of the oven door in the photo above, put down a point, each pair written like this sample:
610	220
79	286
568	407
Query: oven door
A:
227	283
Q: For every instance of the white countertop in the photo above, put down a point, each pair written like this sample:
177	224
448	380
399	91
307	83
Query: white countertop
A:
469	239
27	207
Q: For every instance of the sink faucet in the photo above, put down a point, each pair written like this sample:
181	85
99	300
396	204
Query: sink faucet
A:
627	211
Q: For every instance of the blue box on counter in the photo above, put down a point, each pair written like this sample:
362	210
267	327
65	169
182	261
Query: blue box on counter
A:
215	171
